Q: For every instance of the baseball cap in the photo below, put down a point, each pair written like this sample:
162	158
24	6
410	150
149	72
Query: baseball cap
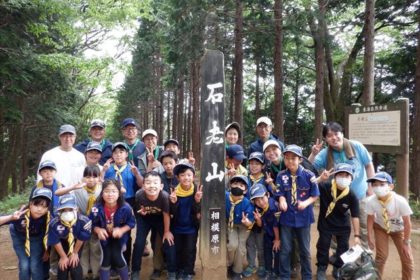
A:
293	149
343	167
265	120
67	201
42	192
184	165
234	125
67	128
270	143
170	141
257	190
47	164
119	144
97	123
258	156
240	178
381	176
235	151
128	121
149	131
93	146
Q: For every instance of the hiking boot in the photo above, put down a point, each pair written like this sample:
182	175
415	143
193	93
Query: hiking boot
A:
249	271
321	273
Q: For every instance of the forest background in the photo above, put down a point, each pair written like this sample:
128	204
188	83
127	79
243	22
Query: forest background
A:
299	62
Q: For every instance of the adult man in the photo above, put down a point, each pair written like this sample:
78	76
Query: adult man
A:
342	150
149	160
69	162
264	128
97	134
130	132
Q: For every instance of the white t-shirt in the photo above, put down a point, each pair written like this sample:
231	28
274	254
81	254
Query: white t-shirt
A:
396	208
70	165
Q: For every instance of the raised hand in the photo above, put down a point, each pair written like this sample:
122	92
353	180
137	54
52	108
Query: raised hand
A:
245	221
317	147
257	215
191	158
172	197
326	174
199	194
17	214
107	164
150	157
133	168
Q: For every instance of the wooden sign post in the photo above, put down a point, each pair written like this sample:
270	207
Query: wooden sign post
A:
213	221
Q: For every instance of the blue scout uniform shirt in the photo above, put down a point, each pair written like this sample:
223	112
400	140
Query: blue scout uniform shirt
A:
124	215
58	232
36	226
269	219
135	150
106	149
54	203
362	158
257	146
168	183
129	180
306	187
244	207
184	213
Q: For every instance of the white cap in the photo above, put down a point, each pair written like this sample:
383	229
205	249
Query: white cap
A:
265	120
149	131
271	143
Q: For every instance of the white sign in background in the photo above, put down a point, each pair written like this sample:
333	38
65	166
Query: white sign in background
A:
376	128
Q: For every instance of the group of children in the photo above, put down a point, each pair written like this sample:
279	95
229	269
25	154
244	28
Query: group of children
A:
269	211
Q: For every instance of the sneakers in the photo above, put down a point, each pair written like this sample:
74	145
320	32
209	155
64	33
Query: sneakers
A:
171	275
188	277
135	275
249	271
236	276
156	274
321	273
261	272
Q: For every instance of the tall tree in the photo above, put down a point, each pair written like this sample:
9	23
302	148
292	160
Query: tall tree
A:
239	52
369	56
278	75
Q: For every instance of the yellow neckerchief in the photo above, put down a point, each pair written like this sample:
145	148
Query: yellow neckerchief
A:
91	199
118	172
70	238
184	193
334	196
232	210
265	209
385	212
294	189
28	241
256	178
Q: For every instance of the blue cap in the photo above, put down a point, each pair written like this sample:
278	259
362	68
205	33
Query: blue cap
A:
381	176
67	201
128	121
42	192
240	178
67	128
171	141
47	164
257	190
343	167
258	156
184	165
235	151
93	146
293	149
119	144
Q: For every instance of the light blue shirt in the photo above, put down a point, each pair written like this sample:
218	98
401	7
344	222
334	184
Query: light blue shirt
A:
359	185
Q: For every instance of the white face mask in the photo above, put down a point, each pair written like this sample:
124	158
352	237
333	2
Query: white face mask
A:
67	216
381	191
343	182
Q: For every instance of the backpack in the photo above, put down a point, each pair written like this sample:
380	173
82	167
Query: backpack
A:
361	269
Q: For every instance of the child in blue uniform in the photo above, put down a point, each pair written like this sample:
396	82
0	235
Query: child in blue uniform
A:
29	229
67	233
298	191
240	219
168	159
265	214
185	212
112	219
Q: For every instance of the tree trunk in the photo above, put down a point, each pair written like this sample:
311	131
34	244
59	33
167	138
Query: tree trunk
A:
181	103
239	53
257	87
369	57
278	79
320	70
195	139
232	94
175	115
168	115
415	150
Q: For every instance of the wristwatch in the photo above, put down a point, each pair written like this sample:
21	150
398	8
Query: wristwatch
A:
407	242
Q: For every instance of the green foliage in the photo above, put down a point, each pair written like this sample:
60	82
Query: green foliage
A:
415	206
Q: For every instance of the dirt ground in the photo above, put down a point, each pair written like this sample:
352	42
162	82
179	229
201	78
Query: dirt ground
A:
9	269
